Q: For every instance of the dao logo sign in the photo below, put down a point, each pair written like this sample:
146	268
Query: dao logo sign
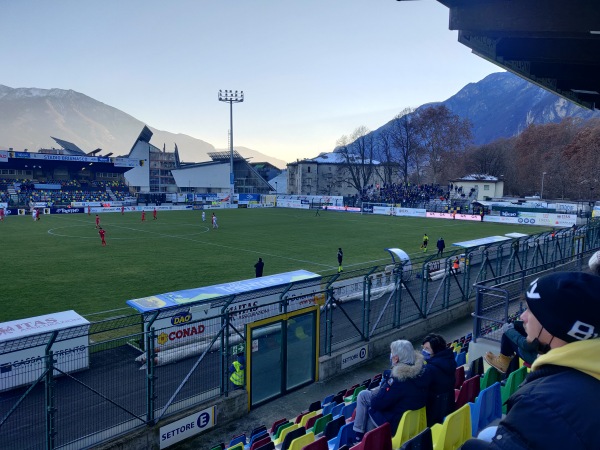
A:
181	319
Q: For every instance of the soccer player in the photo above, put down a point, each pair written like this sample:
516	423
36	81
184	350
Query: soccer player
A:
340	257
143	215
122	210
89	210
154	214
425	242
97	221
214	221
101	232
1	214
203	216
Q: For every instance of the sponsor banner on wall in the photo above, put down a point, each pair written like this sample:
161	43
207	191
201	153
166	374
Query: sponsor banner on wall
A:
400	212
46	157
471	217
25	366
542	219
3	156
187	427
126	162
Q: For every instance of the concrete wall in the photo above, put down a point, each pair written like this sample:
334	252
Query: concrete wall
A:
227	409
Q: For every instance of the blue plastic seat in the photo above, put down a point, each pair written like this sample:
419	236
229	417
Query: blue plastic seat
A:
345	437
486	408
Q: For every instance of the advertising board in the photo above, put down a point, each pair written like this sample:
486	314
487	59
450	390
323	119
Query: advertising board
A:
197	318
24	366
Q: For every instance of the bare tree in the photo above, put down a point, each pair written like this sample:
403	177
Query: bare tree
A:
406	142
385	154
489	159
442	136
358	151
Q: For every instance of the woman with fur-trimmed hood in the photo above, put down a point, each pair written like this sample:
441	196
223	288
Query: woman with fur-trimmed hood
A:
400	390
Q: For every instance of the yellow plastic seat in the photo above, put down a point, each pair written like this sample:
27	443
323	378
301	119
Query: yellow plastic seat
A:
284	432
305	417
455	430
411	424
300	442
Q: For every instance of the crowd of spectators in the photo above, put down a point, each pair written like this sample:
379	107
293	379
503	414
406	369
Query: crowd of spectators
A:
70	191
409	195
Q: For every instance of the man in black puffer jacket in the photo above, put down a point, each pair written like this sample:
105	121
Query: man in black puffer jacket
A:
557	405
438	377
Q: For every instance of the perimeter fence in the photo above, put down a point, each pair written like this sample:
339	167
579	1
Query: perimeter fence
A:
119	381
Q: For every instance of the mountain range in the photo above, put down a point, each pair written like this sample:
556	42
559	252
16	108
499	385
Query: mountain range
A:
502	105
499	106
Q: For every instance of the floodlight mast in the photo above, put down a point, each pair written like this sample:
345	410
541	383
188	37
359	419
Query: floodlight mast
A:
231	97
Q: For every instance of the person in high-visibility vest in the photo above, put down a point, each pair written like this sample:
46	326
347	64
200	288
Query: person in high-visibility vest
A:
237	370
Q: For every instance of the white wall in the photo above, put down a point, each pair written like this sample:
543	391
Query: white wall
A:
213	176
140	175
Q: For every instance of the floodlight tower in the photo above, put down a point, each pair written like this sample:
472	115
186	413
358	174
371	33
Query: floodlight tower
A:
231	97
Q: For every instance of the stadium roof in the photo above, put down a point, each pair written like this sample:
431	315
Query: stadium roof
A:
225	156
553	44
69	147
336	158
477	177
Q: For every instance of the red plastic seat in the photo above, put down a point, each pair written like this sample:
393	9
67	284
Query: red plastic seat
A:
380	438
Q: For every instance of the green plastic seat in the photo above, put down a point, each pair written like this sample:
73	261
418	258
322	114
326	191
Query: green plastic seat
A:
352	398
490	377
321	423
513	382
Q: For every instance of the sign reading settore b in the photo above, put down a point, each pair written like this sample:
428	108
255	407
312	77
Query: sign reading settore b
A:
187	427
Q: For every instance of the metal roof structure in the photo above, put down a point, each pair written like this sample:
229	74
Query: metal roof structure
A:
553	44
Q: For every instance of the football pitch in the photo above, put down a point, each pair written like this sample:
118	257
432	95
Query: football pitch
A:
58	263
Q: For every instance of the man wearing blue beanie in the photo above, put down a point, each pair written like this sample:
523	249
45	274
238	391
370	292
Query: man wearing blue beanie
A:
557	407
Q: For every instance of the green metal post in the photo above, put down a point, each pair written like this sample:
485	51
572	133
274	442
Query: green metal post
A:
366	319
150	377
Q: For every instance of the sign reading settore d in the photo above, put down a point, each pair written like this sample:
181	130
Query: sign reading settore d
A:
25	366
187	427
355	356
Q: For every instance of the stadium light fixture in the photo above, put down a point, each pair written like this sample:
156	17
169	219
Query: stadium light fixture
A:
231	97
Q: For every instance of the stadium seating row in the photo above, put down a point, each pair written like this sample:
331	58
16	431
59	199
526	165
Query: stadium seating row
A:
327	423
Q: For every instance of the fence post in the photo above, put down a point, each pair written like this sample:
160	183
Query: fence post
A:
398	270
49	395
424	288
150	377
366	319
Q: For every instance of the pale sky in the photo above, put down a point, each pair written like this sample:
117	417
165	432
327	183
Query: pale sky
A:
311	70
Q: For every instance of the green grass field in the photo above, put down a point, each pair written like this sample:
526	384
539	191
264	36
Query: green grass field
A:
58	263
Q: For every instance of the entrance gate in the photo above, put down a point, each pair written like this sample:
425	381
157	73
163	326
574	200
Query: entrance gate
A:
281	354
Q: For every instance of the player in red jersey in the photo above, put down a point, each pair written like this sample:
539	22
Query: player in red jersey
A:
143	216
97	221
122	209
154	213
101	232
1	214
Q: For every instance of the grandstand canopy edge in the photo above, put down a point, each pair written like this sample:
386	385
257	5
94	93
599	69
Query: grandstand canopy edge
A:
207	293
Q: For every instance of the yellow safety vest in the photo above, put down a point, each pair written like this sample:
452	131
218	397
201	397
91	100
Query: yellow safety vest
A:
237	377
